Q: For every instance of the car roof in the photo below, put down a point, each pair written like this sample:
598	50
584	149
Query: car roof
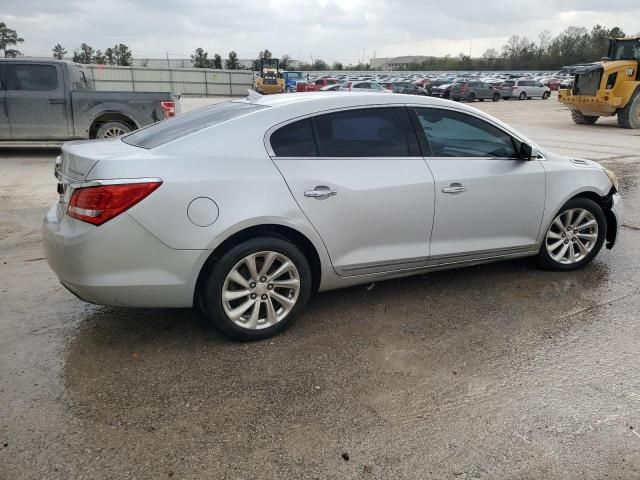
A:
313	102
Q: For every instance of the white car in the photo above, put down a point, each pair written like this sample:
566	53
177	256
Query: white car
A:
245	208
524	89
362	85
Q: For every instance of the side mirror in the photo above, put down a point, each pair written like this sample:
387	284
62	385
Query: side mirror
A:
528	152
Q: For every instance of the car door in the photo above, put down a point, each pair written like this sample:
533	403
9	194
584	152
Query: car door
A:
488	202
485	90
365	186
5	128
36	101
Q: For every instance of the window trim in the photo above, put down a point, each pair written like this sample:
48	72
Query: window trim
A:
270	131
422	136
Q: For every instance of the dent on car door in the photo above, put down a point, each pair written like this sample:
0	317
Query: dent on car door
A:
488	202
364	186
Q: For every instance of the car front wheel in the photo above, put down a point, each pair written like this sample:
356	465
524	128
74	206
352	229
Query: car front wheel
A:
574	237
257	289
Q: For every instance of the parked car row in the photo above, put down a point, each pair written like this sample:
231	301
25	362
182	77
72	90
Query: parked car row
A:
464	87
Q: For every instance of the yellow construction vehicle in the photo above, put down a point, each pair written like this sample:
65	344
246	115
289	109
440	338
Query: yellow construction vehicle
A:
269	80
607	88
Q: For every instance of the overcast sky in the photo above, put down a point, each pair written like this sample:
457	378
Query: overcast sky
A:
344	30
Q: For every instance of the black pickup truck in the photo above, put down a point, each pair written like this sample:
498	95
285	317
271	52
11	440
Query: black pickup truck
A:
54	100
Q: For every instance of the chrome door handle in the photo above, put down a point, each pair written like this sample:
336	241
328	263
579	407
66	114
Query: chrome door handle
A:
454	188
320	192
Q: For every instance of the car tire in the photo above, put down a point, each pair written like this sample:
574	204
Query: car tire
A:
112	129
545	96
561	240
471	97
523	96
581	119
221	292
629	116
496	97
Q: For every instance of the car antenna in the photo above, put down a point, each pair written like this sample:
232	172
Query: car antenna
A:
253	96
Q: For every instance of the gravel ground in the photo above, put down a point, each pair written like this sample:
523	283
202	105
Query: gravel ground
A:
500	371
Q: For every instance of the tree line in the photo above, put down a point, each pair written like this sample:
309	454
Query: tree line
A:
573	45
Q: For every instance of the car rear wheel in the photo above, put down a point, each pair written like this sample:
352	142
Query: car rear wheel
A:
471	97
523	96
112	129
581	119
574	237
257	289
496	97
545	95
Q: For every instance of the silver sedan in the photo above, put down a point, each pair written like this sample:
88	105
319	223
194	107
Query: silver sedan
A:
246	208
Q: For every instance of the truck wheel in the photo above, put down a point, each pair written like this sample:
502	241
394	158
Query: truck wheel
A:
112	129
581	119
629	116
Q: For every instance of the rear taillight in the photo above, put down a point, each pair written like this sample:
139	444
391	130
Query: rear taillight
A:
168	108
97	205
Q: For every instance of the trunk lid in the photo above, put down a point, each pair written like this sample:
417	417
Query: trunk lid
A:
78	158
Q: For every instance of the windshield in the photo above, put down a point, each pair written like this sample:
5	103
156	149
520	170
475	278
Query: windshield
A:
626	50
183	125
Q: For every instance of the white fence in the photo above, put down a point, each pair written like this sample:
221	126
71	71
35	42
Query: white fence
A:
193	82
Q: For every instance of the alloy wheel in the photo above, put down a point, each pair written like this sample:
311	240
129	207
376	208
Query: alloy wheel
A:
261	290
572	236
114	132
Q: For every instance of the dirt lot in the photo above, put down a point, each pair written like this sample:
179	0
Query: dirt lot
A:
500	371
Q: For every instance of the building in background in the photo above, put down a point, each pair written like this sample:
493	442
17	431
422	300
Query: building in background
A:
395	63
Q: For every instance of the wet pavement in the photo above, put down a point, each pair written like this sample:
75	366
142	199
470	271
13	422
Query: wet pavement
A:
497	371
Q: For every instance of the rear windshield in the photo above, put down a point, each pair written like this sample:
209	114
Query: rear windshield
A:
182	125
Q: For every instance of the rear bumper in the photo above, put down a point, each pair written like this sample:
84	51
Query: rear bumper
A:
602	104
119	263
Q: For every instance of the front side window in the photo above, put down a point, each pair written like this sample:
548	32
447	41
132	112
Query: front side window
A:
373	132
454	134
34	78
294	140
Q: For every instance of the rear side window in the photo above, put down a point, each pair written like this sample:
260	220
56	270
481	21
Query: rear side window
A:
183	125
454	134
34	78
373	132
294	140
508	83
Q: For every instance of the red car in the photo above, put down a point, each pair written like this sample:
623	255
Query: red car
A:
316	85
552	83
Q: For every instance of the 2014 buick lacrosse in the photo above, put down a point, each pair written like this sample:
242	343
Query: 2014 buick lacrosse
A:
246	208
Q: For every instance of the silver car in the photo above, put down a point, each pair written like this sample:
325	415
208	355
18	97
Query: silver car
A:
246	208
